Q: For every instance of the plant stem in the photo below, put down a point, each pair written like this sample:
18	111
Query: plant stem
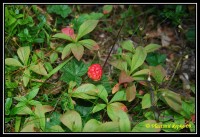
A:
113	44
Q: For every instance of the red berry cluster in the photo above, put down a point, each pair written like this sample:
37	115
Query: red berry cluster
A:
95	72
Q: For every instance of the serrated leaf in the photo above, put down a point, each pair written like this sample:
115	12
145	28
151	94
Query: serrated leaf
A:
91	125
171	98
119	96
13	62
23	53
158	73
138	58
77	51
128	45
146	101
86	28
98	107
67	50
62	36
90	44
141	72
26	77
53	57
147	126
152	47
130	93
39	69
102	93
108	127
72	120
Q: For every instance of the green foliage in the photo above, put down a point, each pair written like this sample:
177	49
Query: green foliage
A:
62	10
154	59
73	71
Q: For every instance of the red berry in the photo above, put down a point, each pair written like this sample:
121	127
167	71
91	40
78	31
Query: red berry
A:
95	72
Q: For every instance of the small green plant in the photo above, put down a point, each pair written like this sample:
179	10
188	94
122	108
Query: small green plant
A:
77	46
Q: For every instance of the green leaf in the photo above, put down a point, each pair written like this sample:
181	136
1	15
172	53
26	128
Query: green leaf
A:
171	98
128	45
40	54
11	84
22	110
8	105
158	73
91	125
102	93
152	47
138	58
86	28
39	69
62	36
108	127
119	96
73	71
23	53
113	110
77	51
17	123
21	98
62	10
141	72
13	62
190	34
124	122
30	124
89	89
32	93
55	128
40	115
98	107
147	126
34	103
130	93
192	127
26	77
154	59
120	64
90	44
67	50
72	120
48	66
146	101
53	57
107	9
83	96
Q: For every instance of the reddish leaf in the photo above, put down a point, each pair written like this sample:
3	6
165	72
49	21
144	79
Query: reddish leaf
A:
130	93
123	78
115	88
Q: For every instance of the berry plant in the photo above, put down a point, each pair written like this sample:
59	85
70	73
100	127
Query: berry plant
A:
98	68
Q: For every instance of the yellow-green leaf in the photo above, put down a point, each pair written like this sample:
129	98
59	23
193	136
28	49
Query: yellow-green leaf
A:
26	77
152	47
62	36
90	44
138	58
72	120
98	107
78	51
13	62
23	53
39	69
147	126
91	125
158	73
141	72
146	101
86	28
67	50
